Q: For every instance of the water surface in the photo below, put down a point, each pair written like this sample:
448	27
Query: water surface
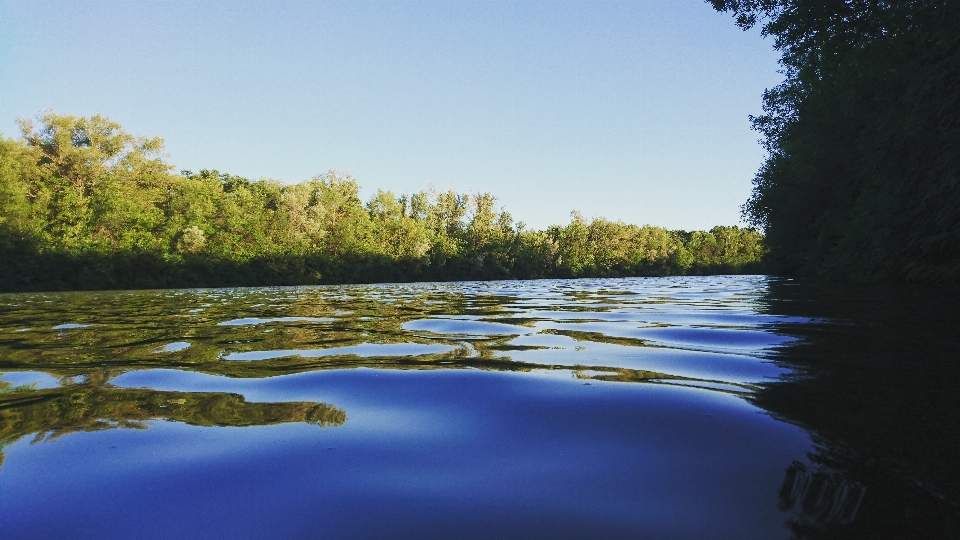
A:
614	408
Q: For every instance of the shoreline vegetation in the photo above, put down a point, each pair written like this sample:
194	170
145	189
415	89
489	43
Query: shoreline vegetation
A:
85	205
862	172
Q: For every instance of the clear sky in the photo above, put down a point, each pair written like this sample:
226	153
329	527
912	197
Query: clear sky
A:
630	110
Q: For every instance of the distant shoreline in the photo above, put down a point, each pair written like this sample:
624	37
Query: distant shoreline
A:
87	206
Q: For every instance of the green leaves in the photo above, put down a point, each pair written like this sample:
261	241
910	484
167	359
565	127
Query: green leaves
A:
862	137
86	205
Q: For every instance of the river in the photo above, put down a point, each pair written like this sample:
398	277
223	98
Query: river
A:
681	407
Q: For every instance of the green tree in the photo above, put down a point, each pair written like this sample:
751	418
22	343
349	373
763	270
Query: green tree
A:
84	204
20	187
102	187
862	168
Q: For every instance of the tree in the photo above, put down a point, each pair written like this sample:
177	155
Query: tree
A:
862	169
83	204
101	187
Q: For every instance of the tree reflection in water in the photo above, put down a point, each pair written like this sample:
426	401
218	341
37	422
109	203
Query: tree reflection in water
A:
818	499
51	413
876	385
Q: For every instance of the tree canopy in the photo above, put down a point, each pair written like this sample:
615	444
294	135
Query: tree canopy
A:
84	205
862	138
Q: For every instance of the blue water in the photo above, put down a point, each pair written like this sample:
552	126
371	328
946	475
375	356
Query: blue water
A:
543	409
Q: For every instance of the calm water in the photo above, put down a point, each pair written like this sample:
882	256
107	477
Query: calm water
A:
696	407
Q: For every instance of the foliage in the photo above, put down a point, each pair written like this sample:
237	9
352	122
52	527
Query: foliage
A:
862	170
84	205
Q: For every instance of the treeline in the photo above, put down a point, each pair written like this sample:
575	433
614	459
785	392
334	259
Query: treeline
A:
862	178
84	205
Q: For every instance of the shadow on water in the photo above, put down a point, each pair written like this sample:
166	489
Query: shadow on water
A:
876	382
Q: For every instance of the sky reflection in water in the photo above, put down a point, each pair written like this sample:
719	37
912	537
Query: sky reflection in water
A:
600	408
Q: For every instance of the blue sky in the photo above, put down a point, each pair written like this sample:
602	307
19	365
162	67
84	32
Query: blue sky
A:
630	110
